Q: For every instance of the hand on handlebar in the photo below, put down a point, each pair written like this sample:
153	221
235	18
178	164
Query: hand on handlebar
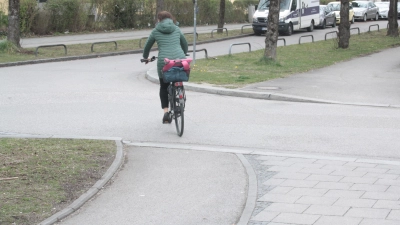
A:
148	59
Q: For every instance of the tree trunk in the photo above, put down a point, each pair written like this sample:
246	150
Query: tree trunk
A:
344	27
393	30
221	16
272	34
159	8
13	23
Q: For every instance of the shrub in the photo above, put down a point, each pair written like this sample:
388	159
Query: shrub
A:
41	22
7	47
121	13
27	12
66	15
3	23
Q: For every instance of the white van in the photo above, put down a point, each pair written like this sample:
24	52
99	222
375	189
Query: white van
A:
293	15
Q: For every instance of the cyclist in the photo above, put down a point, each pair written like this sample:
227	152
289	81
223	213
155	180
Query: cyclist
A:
171	44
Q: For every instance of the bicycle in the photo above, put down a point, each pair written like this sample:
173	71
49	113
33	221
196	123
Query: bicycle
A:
177	100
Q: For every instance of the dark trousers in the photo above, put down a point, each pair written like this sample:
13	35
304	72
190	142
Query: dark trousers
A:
163	93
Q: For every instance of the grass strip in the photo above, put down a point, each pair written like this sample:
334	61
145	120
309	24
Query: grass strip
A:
241	69
11	55
39	177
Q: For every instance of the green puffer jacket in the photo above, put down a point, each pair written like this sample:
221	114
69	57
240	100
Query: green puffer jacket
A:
171	43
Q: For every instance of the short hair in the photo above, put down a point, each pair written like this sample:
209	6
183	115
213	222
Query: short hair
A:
164	15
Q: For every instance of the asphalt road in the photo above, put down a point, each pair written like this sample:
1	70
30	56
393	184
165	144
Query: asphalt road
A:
111	97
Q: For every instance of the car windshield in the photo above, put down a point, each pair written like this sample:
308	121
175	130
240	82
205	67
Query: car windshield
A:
322	9
359	4
264	4
334	6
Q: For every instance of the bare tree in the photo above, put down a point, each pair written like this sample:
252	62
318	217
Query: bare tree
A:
393	30
159	8
13	23
221	20
344	27
272	30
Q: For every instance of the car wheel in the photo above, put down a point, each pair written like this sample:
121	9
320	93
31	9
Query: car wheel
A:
323	24
352	20
289	30
377	17
258	33
334	23
311	27
365	18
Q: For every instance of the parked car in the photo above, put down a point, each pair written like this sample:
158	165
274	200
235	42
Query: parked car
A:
327	17
365	10
383	9
335	6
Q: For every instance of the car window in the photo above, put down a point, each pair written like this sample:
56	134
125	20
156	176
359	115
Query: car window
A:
359	4
335	6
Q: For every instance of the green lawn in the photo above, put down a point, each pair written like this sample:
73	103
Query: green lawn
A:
39	177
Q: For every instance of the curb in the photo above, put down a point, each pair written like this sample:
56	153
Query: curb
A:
94	189
251	193
70	58
152	76
256	151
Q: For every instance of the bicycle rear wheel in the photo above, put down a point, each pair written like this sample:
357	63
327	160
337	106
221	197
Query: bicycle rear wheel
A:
179	119
179	108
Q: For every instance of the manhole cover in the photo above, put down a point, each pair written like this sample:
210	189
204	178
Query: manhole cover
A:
269	88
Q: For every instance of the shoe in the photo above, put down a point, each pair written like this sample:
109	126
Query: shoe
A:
166	118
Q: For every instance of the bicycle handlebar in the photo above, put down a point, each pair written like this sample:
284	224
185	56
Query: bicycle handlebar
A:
148	60
154	58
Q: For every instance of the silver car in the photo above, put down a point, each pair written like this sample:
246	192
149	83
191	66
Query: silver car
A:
383	9
365	10
327	17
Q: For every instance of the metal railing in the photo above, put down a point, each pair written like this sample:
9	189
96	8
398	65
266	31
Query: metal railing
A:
197	35
104	42
310	35
284	41
337	34
219	29
355	28
245	26
199	50
245	43
140	41
373	26
47	46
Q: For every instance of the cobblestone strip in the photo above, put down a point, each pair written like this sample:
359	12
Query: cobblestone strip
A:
296	190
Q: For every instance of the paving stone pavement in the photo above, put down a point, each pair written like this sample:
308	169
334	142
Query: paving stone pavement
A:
295	190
